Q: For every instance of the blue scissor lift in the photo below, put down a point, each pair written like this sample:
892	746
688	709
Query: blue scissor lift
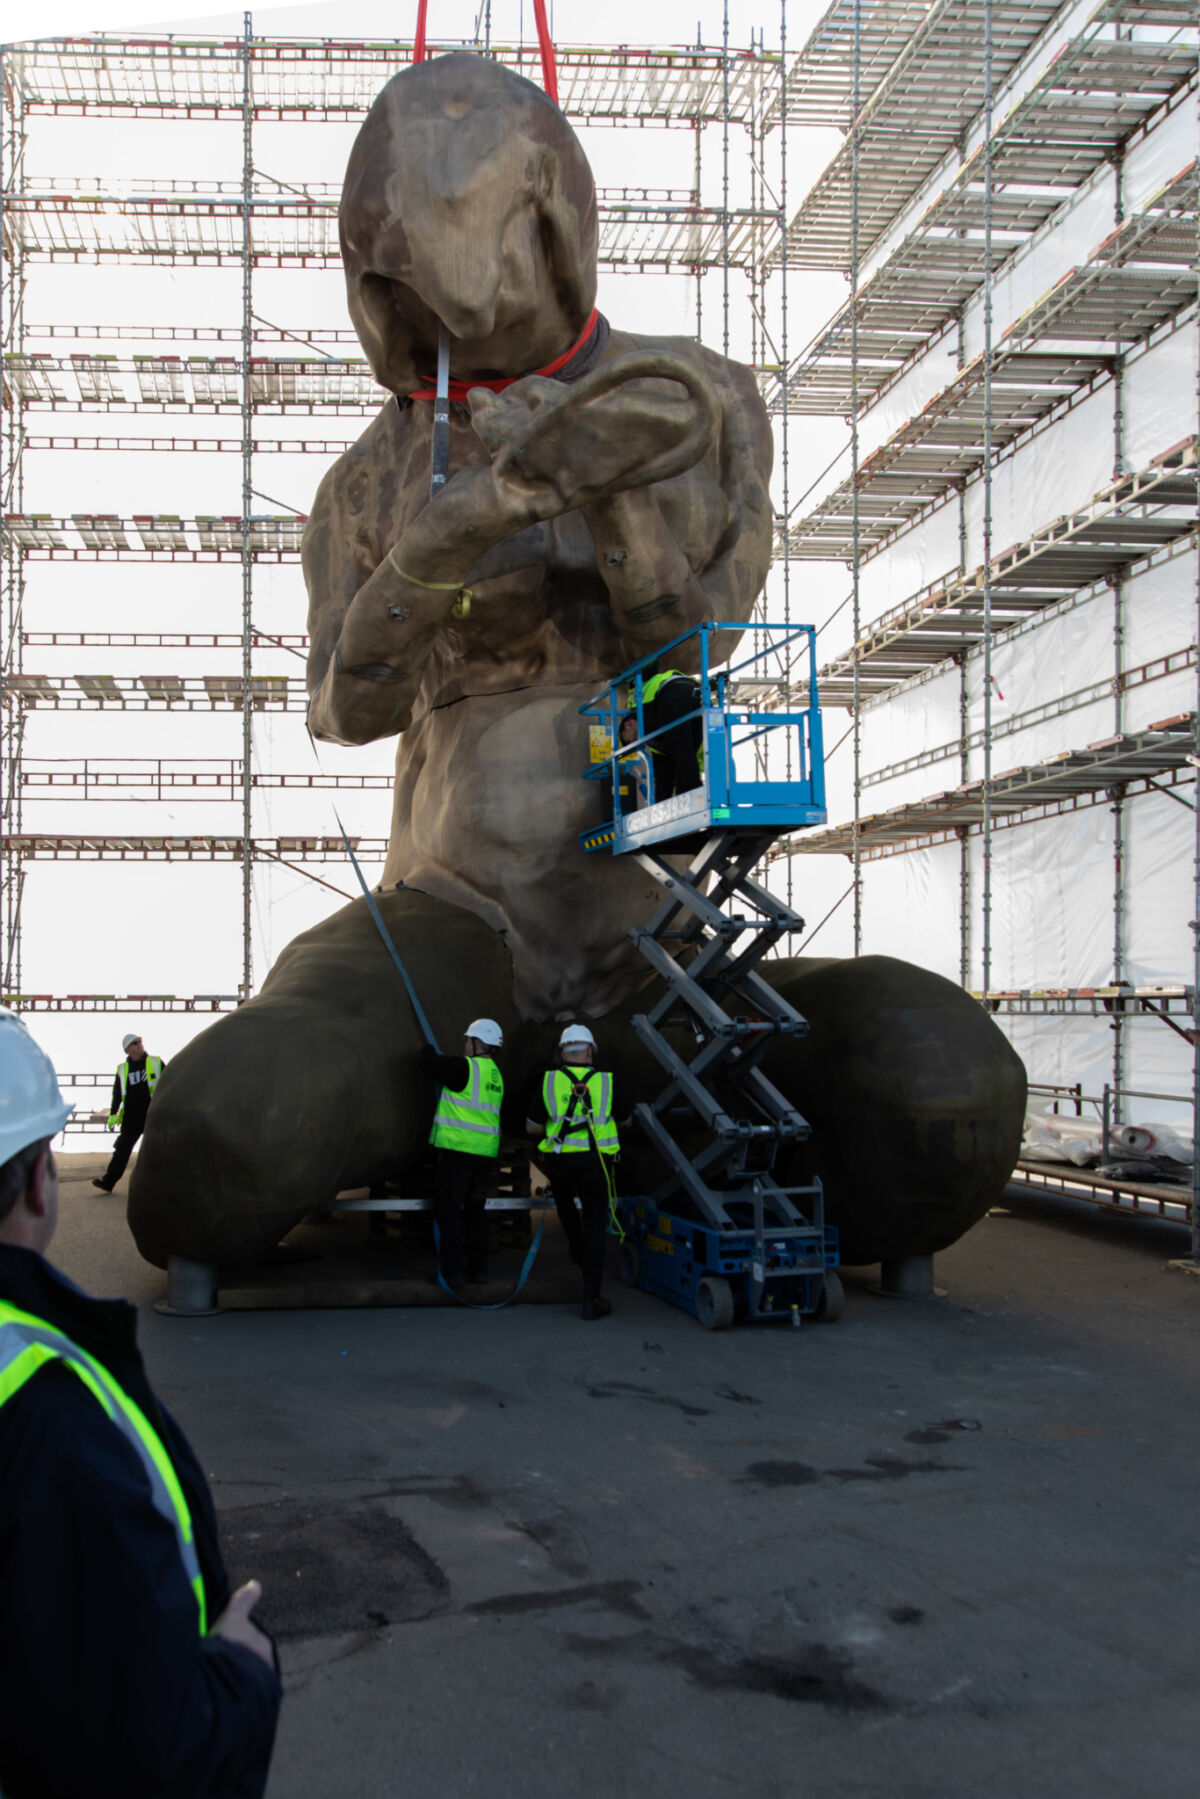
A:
720	1236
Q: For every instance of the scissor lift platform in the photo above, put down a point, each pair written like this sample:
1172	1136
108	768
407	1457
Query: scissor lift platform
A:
720	1236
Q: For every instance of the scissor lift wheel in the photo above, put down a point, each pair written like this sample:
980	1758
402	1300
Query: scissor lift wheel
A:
714	1303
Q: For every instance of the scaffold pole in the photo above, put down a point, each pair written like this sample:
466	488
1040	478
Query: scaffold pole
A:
247	501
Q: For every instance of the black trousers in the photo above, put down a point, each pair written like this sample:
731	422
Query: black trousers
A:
580	1175
127	1136
460	1208
676	768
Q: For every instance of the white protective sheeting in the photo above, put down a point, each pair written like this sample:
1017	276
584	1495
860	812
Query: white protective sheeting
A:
926	554
1148	166
1160	397
911	909
1063	467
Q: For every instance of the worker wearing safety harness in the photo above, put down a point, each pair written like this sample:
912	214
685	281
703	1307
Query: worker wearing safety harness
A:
573	1111
132	1670
466	1135
676	756
133	1089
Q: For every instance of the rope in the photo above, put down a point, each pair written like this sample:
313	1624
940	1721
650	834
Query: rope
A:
393	952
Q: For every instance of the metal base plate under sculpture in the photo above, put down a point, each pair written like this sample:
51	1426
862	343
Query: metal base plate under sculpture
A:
191	1289
908	1277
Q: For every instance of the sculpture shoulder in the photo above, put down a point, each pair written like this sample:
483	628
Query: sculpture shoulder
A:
352	483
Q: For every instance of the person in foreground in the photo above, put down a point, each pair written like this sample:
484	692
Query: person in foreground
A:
573	1111
129	1669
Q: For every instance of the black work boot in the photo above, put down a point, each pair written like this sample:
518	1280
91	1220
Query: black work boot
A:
594	1307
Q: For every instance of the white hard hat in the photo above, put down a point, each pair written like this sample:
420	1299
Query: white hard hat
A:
31	1106
131	1038
487	1031
576	1033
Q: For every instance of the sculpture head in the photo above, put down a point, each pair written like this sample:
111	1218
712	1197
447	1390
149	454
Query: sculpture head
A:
467	201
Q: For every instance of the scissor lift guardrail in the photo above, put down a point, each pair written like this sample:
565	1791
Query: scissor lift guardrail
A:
720	1236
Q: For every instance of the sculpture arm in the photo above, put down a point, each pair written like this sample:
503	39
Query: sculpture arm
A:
373	619
656	594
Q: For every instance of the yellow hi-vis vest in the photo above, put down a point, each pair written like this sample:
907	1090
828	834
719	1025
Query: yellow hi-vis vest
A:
572	1096
27	1344
651	687
153	1070
469	1120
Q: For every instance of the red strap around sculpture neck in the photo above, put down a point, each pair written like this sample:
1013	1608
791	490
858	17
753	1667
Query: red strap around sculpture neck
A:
460	389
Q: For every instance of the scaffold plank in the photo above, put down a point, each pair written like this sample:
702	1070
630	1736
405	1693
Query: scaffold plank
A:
145	383
821	80
113	1002
192	222
1126	521
130	693
294	641
145	778
336	80
936	451
145	537
28	846
1095	91
1134	762
1118	999
1041	155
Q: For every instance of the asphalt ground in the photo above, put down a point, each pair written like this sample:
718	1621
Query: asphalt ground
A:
942	1548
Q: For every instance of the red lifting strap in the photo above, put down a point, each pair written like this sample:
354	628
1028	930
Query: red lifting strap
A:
545	44
460	389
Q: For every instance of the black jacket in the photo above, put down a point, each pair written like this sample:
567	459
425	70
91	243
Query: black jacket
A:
137	1096
106	1686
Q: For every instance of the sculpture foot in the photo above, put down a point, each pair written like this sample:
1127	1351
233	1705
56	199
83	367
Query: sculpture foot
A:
312	1087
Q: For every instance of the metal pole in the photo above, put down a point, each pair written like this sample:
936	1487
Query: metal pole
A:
856	622
1195	918
12	500
725	182
699	129
1118	810
987	501
247	503
784	380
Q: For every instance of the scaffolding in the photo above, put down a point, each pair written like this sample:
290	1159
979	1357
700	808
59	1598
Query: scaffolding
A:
970	129
62	382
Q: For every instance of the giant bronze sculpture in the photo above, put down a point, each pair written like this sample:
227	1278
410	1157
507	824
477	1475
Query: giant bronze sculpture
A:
606	491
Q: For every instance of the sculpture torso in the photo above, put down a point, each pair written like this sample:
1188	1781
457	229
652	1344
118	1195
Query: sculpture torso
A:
489	798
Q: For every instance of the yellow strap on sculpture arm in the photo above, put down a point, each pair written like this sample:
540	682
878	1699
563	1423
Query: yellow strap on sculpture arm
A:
462	603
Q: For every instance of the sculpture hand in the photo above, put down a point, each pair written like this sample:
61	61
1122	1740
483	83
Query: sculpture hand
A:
556	447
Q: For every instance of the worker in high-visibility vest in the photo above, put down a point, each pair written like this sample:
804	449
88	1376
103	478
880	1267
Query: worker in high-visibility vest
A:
573	1111
673	699
466	1135
133	1089
130	1666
